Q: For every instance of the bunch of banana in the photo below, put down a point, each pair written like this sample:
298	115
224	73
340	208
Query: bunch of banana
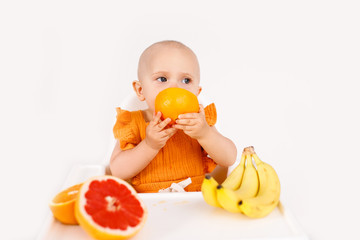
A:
252	191
268	196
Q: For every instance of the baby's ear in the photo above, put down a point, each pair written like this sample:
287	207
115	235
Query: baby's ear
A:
138	90
200	88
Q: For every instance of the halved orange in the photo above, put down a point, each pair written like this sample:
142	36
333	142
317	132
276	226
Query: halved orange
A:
62	205
109	208
172	102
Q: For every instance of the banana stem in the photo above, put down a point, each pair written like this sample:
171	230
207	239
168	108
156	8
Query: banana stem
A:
249	150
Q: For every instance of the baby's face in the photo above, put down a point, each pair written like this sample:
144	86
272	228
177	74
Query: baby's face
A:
168	66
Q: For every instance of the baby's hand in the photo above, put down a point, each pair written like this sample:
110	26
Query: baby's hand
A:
193	124
156	133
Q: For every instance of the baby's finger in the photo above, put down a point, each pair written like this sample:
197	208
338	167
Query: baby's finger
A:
156	118
187	121
187	115
164	123
181	127
170	132
202	110
173	132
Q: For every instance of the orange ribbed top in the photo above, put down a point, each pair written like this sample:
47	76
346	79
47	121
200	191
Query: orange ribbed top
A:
180	158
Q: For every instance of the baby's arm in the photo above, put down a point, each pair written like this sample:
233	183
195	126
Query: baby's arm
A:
128	163
221	149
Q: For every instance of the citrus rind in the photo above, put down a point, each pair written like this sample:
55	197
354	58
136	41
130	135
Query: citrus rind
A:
93	228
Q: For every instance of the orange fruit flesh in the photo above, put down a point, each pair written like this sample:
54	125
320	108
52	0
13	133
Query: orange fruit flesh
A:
109	208
62	205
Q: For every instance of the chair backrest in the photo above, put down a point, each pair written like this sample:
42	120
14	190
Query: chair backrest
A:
132	103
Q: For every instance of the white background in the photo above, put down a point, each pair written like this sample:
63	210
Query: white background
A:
284	76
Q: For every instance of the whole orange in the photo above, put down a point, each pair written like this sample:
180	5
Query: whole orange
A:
172	102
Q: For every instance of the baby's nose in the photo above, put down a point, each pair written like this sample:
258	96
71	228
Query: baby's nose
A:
174	84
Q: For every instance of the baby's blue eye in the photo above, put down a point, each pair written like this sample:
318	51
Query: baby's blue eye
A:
161	79
186	80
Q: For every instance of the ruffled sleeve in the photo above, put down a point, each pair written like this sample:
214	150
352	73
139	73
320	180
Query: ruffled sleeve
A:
211	117
125	130
210	114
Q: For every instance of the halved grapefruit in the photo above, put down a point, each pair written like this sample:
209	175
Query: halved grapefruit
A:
109	208
62	205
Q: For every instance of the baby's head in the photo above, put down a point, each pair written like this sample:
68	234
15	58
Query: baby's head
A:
163	65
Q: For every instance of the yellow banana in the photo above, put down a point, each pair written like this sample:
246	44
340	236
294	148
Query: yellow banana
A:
229	199
269	192
208	189
258	211
250	183
233	181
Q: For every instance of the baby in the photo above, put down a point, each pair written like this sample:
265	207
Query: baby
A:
150	153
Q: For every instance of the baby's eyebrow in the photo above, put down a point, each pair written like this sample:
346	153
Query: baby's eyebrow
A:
187	74
167	73
162	72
